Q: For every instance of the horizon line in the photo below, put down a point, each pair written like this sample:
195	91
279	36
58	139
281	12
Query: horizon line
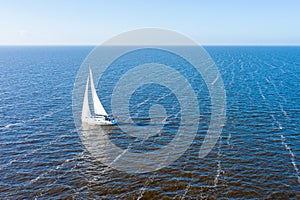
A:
94	45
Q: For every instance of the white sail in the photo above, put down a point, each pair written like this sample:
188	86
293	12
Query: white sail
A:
98	108
86	114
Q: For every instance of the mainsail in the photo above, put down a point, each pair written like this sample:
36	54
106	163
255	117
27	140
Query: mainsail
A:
98	108
86	114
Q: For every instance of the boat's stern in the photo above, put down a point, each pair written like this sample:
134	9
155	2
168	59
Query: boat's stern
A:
115	121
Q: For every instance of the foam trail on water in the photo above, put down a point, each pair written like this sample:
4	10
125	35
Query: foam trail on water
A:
280	127
282	97
219	167
216	79
219	170
259	88
283	111
185	191
143	189
276	90
260	91
283	139
13	124
276	123
292	155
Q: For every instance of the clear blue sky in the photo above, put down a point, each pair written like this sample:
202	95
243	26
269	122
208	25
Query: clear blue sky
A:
79	22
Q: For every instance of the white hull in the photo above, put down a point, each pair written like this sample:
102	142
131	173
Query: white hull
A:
99	121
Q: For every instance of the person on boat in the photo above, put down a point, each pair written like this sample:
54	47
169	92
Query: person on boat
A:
109	118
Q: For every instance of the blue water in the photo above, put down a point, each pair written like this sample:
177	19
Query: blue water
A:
256	156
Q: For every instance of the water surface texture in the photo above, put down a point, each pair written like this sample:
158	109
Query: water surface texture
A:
257	155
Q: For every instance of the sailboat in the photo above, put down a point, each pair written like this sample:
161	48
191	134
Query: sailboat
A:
100	116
